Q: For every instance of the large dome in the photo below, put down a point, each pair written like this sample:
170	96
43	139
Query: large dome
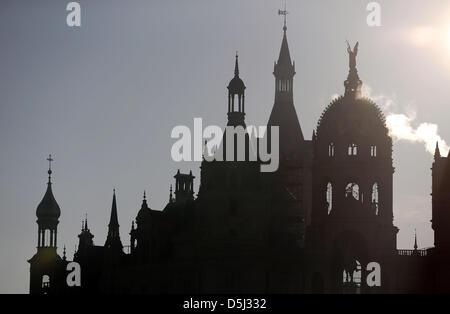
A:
350	115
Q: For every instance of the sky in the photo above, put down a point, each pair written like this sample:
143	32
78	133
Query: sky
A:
103	98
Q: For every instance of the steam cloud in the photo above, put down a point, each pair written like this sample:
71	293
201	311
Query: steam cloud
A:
400	125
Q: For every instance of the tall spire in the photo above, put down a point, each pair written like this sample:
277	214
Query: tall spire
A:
437	152
283	113
353	83
113	239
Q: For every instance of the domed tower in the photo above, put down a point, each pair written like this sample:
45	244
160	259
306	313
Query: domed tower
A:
46	266
236	98
352	216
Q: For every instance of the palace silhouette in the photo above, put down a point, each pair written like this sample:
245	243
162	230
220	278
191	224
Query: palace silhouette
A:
312	226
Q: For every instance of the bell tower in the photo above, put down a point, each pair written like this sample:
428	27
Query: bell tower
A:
46	266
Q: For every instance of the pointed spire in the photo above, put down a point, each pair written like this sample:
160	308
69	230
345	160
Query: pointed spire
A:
144	201
86	223
415	240
113	239
113	220
236	66
437	152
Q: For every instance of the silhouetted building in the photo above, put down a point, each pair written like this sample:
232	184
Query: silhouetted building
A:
314	225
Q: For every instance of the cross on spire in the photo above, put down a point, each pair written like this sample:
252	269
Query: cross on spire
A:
49	159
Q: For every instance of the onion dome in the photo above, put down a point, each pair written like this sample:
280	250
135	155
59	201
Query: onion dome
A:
48	208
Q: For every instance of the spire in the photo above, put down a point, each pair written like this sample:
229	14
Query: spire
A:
113	221
415	240
236	66
437	152
144	200
113	239
48	208
353	83
236	98
283	113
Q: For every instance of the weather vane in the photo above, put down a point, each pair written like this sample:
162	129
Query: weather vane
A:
284	13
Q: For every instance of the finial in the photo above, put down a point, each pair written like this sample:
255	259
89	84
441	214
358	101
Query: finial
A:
236	66
85	223
170	195
132	225
50	159
64	253
284	13
145	197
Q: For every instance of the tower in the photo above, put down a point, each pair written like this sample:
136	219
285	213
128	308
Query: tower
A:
85	240
292	181
113	238
46	266
236	98
352	216
283	112
184	186
441	201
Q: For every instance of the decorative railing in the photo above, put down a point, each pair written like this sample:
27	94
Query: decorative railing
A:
423	252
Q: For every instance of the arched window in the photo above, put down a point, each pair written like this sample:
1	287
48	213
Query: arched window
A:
373	151
331	149
45	284
352	149
329	197
375	197
352	189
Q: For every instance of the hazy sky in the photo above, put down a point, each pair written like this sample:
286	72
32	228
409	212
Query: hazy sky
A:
104	98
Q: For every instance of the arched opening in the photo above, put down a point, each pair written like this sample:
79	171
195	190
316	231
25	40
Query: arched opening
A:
352	149
373	151
329	197
375	198
352	189
45	284
331	149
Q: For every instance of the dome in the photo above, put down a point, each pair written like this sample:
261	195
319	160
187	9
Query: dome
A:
236	86
350	115
144	213
48	208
